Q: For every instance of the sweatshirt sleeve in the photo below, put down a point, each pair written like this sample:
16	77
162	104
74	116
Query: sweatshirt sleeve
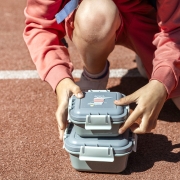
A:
166	64
43	38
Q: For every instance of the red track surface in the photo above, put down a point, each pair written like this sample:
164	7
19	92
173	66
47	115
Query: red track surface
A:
29	144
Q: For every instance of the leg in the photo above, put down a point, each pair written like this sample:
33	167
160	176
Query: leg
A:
177	102
94	34
140	67
138	32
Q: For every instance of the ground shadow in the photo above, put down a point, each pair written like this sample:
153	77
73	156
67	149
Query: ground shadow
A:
130	84
151	148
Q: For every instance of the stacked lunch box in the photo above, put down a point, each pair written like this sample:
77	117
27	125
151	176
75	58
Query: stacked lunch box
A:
92	138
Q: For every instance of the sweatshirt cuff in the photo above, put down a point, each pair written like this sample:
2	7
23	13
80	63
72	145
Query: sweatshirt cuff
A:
56	74
166	76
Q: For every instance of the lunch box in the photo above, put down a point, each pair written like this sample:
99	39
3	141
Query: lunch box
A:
99	154
96	115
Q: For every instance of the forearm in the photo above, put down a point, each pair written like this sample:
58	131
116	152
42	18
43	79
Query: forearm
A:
166	64
43	38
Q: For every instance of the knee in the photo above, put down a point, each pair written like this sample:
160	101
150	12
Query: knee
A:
96	20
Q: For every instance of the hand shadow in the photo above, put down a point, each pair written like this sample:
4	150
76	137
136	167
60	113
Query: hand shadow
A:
151	148
130	83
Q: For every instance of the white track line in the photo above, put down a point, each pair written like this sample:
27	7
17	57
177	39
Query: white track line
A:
32	74
21	74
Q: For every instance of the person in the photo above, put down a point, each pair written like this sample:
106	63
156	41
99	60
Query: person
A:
95	27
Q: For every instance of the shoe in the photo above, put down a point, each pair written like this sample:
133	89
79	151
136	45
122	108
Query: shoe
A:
86	83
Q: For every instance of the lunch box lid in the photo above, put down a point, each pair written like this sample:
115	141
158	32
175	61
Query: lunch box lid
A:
120	144
97	104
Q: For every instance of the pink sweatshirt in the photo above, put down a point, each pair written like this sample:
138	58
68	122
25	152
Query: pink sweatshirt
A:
42	35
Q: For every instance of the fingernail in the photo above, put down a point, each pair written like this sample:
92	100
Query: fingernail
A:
115	101
120	131
79	95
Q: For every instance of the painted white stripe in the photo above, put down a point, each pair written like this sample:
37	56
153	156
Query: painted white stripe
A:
32	74
21	74
118	73
114	73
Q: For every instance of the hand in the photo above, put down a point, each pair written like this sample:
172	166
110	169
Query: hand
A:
150	100
64	90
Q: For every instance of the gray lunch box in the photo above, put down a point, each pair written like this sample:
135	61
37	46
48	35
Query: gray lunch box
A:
96	115
100	154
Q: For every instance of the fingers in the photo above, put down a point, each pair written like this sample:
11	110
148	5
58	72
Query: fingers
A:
137	125
141	128
134	115
126	100
64	90
145	126
131	120
61	133
77	91
61	117
150	100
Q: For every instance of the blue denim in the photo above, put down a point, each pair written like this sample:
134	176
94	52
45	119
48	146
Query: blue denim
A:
68	8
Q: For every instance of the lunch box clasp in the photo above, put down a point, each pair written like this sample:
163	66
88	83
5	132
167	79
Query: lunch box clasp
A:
103	154
98	122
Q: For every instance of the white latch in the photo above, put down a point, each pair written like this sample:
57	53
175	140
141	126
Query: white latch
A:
103	154
98	122
98	90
